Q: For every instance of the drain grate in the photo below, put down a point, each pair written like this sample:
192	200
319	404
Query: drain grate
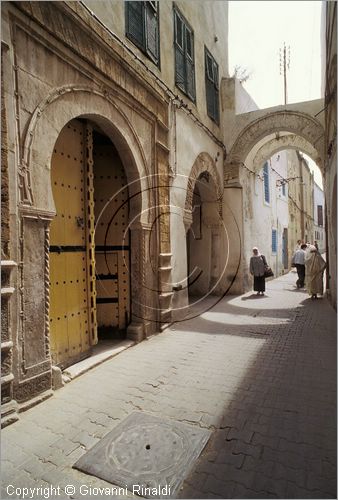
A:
147	455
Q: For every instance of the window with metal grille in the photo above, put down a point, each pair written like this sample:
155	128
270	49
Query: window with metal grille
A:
184	56
274	241
142	27
320	215
266	181
212	86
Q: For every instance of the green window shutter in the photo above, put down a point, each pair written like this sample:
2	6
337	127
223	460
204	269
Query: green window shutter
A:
211	86
209	68
215	65
189	47
135	22
216	92
190	79
190	67
210	98
179	68
151	23
179	53
184	56
179	31
216	105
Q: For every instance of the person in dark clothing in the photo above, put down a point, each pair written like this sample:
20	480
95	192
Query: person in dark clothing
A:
257	269
298	260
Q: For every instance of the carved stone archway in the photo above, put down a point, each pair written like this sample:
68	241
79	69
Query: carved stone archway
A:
299	124
37	209
51	115
203	164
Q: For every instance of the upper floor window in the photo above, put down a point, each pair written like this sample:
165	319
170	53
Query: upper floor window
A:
274	241
266	182
212	86
142	27
320	215
184	56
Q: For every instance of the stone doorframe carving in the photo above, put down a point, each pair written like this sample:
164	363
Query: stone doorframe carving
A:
203	164
53	113
308	130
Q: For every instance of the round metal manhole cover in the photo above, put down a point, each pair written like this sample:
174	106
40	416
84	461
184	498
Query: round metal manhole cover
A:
144	449
148	451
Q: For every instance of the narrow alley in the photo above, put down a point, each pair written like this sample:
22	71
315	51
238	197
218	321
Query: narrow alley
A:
258	372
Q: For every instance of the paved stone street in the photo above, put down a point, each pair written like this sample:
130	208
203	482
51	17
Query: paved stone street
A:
260	372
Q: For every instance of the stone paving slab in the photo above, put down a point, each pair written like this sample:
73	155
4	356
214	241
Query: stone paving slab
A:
258	372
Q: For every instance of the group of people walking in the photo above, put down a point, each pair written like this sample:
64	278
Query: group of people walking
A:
310	267
308	261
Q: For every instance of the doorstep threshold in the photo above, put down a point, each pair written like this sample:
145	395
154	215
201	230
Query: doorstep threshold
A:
100	354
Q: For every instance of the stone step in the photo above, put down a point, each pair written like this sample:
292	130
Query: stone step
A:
9	413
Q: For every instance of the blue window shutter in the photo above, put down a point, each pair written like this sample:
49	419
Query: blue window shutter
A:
266	183
274	241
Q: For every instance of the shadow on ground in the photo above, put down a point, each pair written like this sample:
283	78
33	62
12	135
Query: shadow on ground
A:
276	437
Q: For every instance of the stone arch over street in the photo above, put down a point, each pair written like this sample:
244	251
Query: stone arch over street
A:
308	130
280	143
261	134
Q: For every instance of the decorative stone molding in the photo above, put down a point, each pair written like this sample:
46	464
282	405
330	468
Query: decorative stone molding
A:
8	404
142	282
47	291
34	313
41	113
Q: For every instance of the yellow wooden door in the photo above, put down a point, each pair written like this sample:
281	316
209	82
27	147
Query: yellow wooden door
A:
70	311
111	238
